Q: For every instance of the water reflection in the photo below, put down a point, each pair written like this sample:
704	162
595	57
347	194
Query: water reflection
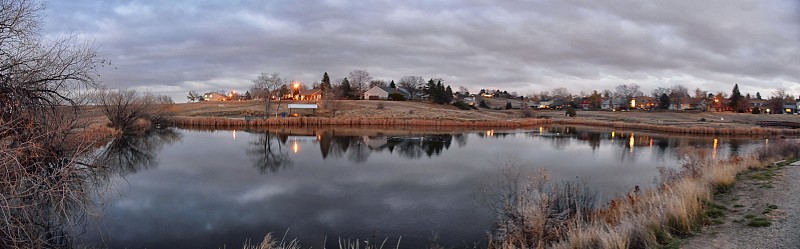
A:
130	154
269	152
355	183
271	149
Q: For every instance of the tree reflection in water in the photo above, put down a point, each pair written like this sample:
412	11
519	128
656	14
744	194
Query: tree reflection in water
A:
269	152
130	154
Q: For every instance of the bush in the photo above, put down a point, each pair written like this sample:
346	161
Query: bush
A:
756	110
380	106
396	97
508	105
461	105
526	112
571	112
483	104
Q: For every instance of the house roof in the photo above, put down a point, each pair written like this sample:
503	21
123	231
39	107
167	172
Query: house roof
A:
311	91
394	90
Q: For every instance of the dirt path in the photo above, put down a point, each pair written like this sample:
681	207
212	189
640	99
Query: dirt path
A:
770	194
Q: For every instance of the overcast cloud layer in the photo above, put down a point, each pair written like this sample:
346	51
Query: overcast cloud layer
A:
171	47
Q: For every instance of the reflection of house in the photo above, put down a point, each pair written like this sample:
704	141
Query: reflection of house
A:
375	142
382	92
214	96
312	94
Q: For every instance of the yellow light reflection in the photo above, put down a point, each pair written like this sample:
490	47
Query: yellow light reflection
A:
490	133
631	142
541	129
234	135
295	147
714	153
613	133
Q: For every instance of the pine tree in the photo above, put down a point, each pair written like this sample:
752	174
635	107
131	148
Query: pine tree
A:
345	89
325	85
392	85
448	94
663	101
737	102
758	95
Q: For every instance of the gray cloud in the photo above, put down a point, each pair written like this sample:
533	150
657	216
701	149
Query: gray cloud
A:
525	46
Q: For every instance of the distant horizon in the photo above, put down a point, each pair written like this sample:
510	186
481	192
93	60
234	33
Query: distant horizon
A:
173	47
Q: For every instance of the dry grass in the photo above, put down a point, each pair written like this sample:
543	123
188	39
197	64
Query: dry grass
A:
270	242
319	121
688	129
647	219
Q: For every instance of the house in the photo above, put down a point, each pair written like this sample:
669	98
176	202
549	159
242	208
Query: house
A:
214	96
311	94
790	108
544	104
753	103
382	92
613	104
644	102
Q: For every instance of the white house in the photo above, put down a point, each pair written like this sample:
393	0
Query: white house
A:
379	92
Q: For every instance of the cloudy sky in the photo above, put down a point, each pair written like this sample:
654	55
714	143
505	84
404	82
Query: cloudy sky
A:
528	46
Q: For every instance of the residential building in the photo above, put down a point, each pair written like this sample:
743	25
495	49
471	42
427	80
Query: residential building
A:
214	96
382	92
311	94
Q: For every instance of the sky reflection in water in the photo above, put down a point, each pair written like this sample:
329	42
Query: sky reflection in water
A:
195	189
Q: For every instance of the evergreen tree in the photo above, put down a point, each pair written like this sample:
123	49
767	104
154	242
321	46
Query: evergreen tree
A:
448	94
392	85
325	85
508	105
345	90
758	95
737	101
663	101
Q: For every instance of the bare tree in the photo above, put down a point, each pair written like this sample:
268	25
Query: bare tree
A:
679	94
125	109
193	96
627	92
264	87
358	81
561	93
412	84
44	187
374	83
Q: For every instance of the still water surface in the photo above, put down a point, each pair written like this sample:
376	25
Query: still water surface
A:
212	189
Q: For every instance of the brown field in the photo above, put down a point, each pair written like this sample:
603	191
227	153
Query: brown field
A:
375	112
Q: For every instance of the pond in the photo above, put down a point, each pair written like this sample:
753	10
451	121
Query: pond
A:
181	188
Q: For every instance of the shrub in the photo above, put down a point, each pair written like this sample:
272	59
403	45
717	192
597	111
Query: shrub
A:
461	105
571	112
483	104
381	106
526	112
396	97
756	110
508	105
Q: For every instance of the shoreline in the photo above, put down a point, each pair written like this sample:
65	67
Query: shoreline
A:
222	122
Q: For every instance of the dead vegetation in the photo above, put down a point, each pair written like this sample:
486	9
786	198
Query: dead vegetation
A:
641	219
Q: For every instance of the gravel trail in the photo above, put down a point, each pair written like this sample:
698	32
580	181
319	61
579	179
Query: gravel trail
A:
777	199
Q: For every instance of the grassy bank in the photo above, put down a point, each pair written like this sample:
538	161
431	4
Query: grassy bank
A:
642	219
230	123
320	121
694	129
